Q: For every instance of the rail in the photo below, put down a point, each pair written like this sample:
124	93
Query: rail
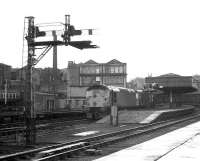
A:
100	140
17	129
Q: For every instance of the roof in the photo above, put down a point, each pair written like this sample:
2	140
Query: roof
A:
5	65
90	62
114	61
170	75
173	82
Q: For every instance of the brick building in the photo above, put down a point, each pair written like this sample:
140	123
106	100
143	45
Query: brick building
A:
79	77
5	73
91	72
73	74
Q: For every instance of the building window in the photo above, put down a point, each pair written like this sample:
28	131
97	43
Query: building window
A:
93	70
10	95
97	70
86	70
50	105
112	69
98	79
116	69
121	69
76	103
15	95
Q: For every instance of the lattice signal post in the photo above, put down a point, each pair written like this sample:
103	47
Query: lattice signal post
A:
33	32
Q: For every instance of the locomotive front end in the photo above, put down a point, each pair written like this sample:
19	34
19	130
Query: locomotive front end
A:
97	98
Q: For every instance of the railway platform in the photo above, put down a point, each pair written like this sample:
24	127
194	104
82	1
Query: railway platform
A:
182	144
146	116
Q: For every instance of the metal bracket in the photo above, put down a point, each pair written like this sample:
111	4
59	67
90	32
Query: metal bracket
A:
35	61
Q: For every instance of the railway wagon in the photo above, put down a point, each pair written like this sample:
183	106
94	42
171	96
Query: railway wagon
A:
99	99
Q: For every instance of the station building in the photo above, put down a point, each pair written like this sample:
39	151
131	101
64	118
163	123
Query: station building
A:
175	89
173	82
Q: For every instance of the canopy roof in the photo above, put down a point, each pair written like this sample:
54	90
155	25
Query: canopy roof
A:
173	82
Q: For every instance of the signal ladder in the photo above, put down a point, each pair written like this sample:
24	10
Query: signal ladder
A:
25	44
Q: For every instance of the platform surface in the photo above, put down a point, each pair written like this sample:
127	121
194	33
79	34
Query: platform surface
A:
143	116
182	144
126	116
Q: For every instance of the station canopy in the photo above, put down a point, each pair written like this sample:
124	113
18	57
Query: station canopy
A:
173	82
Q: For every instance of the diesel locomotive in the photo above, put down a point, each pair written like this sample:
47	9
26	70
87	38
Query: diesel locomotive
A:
99	99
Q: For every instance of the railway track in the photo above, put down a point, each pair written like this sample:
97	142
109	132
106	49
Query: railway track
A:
22	123
16	124
41	127
61	151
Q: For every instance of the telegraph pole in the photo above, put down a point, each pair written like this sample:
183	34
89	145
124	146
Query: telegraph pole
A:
29	103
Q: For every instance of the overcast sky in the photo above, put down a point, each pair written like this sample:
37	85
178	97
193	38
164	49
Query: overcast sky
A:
151	36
